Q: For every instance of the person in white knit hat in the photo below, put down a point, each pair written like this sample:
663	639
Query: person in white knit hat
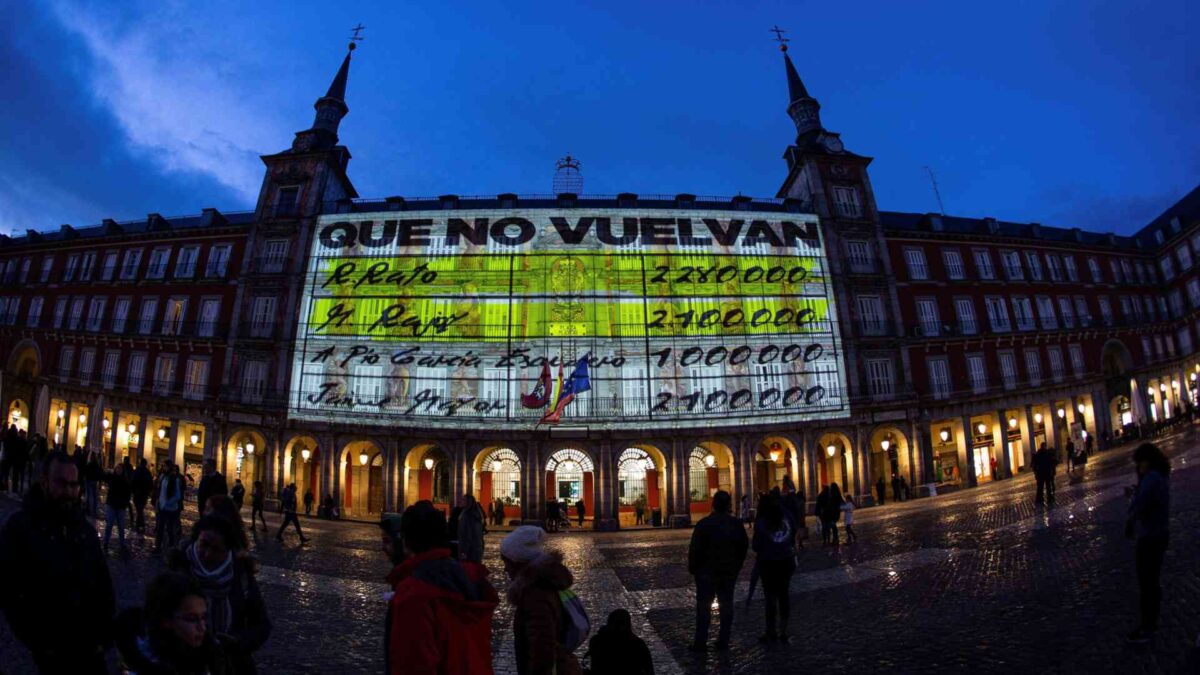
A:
538	575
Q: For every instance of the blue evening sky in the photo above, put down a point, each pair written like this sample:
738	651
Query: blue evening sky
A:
1073	113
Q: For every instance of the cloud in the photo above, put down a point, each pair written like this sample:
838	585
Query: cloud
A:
23	203
1093	209
168	84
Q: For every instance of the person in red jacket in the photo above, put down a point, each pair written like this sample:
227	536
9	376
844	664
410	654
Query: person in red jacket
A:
439	618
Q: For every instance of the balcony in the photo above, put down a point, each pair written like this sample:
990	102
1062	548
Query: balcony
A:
256	330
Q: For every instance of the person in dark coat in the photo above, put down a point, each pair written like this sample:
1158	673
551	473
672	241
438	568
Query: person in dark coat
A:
552	515
831	511
238	493
116	504
1045	465
880	490
1149	519
538	577
258	496
895	487
819	508
308	502
793	506
16	453
775	555
212	483
237	613
580	511
715	557
55	589
167	636
470	531
616	650
287	502
142	484
903	489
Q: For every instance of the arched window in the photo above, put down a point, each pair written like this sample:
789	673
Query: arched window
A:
568	466
505	467
632	466
698	474
441	475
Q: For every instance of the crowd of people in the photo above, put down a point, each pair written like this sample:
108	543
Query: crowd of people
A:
205	612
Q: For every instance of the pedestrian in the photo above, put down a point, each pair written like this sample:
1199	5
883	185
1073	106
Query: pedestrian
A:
116	504
169	634
1045	464
1070	453
831	512
222	507
491	512
17	453
212	483
452	525
580	511
439	617
616	650
880	490
775	557
895	487
258	497
328	505
903	489
639	511
848	507
5	459
168	506
237	613
552	516
287	503
1147	525
141	485
238	493
715	557
793	507
93	475
1089	443
544	623
470	531
308	502
745	513
55	589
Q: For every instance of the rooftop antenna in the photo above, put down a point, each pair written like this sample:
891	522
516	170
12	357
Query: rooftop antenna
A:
936	193
567	178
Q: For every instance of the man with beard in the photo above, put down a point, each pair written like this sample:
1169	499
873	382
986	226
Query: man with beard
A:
54	583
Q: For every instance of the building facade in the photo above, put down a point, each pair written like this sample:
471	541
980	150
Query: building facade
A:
963	342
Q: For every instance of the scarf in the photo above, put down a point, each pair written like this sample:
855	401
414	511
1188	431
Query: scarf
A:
215	584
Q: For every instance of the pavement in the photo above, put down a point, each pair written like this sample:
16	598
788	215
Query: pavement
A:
976	580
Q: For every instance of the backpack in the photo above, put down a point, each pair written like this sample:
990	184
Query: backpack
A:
577	626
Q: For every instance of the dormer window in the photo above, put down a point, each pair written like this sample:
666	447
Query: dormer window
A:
287	201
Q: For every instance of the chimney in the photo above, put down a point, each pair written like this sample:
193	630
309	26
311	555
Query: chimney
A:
449	201
741	203
935	222
156	223
1035	230
508	200
992	226
684	200
111	226
627	199
67	232
212	218
395	203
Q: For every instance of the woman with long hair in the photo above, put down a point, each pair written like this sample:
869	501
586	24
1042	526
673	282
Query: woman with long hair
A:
1149	511
774	545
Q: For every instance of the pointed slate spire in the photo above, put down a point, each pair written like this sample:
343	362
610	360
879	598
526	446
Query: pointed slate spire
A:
796	90
331	108
337	88
802	107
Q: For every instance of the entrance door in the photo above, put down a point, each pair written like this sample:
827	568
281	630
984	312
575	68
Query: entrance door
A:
375	500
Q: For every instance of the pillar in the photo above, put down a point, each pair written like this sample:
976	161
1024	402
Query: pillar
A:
277	469
331	459
1028	437
146	444
1000	439
174	448
923	449
862	471
1100	414
1051	424
966	451
111	436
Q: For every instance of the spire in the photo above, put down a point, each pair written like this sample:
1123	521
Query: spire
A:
330	109
802	108
796	90
337	88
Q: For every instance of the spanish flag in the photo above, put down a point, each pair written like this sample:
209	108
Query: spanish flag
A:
565	392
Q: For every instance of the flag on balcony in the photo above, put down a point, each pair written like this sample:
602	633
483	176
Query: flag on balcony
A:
565	392
540	396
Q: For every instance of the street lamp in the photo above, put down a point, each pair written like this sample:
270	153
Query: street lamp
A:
1037	417
1174	384
1012	423
249	448
61	413
363	458
105	423
306	454
1062	413
710	460
131	428
774	455
831	450
1163	387
83	418
885	444
945	434
429	464
981	428
162	433
195	438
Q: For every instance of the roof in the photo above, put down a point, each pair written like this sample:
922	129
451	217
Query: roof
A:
625	200
796	90
152	223
1187	210
932	222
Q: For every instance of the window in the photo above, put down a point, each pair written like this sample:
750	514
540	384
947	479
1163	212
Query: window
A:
87	266
173	315
1056	363
1067	312
927	315
983	263
11	309
286	201
25	265
1193	291
254	381
859	253
35	312
1106	314
146	318
1159	236
137	372
698	488
1012	265
1094	268
997	312
1128	270
164	374
1167	267
47	266
1008	369
1196	243
1148	304
1023	312
209	311
1115	267
965	309
977	373
262	316
438	247
954	263
767	376
845	201
120	314
1046	312
10	271
76	314
1076	353
870	312
1034	262
917	267
87	362
1055	266
129	268
939	378
108	377
110	266
1082	312
1185	257
275	254
96	313
494	387
1175	298
66	357
1069	266
195	380
1033	366
1185	341
704	380
71	268
218	261
60	311
157	267
185	263
880	377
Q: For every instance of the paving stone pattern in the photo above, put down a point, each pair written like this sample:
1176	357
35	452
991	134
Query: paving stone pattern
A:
977	580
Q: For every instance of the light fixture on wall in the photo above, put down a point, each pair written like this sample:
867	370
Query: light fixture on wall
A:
1037	417
1081	408
710	461
105	423
496	466
1174	384
1012	423
944	434
429	464
981	428
83	418
16	415
61	413
162	433
131	428
1062	412
195	438
775	455
306	454
1162	387
885	444
363	458
831	449
249	448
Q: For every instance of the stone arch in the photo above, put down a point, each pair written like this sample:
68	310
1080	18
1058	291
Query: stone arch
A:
890	462
570	476
25	360
18	414
1115	360
640	470
23	367
428	468
360	465
304	471
247	453
775	457
719	473
498	477
835	459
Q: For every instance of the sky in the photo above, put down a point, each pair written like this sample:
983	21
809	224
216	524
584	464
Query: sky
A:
1072	113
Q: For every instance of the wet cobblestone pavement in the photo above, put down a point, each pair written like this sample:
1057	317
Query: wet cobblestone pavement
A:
976	580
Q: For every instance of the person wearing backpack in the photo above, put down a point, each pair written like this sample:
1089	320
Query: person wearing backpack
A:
548	619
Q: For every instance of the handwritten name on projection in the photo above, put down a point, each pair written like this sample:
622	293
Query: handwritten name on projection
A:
514	231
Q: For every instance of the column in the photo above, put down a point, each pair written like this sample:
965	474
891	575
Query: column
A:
146	444
605	486
1000	439
923	449
1028	437
329	457
1051	424
535	483
72	428
277	469
966	451
173	445
862	481
1100	414
111	434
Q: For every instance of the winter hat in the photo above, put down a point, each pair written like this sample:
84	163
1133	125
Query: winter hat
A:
524	544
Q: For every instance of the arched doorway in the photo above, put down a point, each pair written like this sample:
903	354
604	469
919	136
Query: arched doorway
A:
710	468
18	415
499	471
302	466
362	479
427	471
570	476
774	460
834	461
640	480
889	458
23	367
246	458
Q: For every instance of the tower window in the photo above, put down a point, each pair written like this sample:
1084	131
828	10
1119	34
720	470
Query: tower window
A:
845	201
286	201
